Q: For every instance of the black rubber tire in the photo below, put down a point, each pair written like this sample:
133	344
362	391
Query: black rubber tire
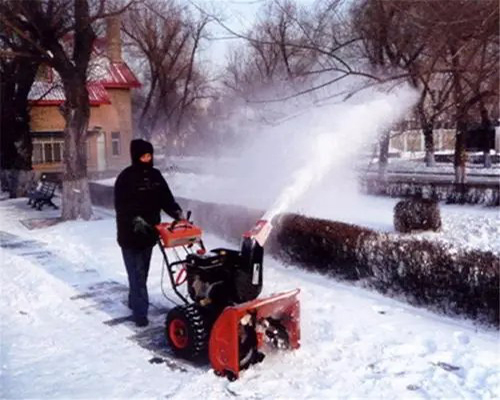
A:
231	376
192	342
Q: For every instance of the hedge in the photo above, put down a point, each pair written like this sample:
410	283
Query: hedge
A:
428	273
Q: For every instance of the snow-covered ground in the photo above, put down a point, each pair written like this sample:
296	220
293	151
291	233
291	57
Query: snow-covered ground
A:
418	166
411	162
465	226
57	341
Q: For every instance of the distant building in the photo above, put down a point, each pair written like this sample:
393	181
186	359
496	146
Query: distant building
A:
110	124
409	138
412	140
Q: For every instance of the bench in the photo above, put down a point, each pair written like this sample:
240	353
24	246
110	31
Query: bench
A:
42	194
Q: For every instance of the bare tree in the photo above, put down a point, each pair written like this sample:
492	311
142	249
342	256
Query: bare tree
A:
266	58
167	38
62	33
471	32
398	36
439	45
484	83
311	45
17	74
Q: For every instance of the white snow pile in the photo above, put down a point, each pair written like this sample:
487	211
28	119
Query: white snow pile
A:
355	343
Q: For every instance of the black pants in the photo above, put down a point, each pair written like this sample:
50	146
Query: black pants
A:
137	264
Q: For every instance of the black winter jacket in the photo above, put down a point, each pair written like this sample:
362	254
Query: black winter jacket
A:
141	191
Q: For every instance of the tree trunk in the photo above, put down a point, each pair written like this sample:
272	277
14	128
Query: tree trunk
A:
486	131
488	163
76	201
460	153
383	158
17	181
15	140
427	129
430	160
460	118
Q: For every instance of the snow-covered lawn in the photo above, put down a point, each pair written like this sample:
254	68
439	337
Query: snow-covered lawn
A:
465	226
418	166
355	343
404	164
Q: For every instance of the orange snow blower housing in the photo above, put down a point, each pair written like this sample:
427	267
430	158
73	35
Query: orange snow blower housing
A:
222	316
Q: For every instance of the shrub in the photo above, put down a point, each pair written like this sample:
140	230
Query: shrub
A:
417	214
320	245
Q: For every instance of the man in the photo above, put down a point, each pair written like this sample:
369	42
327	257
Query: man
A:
140	194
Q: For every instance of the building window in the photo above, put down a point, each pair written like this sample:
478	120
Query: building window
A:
47	150
57	151
115	143
37	153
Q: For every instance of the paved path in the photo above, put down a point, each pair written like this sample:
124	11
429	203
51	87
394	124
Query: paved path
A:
97	296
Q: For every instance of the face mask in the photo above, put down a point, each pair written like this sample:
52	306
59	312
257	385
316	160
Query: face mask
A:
146	160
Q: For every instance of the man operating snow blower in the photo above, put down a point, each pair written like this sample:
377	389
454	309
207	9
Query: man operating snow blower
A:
221	316
141	193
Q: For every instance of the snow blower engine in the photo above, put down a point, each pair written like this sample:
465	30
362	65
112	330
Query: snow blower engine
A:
221	315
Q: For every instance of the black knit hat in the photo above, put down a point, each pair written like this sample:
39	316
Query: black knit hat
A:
139	147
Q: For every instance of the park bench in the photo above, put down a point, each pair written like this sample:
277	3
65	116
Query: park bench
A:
41	194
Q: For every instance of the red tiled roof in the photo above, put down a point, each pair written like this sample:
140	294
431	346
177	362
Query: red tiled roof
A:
108	75
97	93
50	94
119	76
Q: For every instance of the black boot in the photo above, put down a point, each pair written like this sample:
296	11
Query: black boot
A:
141	321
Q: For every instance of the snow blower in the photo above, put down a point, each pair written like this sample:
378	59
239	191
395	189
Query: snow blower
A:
222	316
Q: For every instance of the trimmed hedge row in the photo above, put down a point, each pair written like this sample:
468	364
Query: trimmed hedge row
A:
320	245
427	273
455	281
470	193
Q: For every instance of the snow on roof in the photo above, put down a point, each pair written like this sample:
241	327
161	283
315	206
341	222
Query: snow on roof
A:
44	92
52	94
98	93
119	75
103	74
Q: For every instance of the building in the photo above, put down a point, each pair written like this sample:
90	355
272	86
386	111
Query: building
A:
412	140
110	126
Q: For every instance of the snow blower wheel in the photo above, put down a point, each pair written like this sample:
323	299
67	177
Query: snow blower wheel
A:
186	331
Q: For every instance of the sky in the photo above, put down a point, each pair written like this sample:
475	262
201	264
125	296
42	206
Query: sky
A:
238	15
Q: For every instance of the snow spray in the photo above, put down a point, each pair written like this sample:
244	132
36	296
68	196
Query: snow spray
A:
306	161
350	128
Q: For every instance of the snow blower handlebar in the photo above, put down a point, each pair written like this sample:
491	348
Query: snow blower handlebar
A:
181	223
179	234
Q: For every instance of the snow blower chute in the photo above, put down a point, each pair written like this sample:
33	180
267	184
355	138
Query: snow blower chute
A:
222	315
